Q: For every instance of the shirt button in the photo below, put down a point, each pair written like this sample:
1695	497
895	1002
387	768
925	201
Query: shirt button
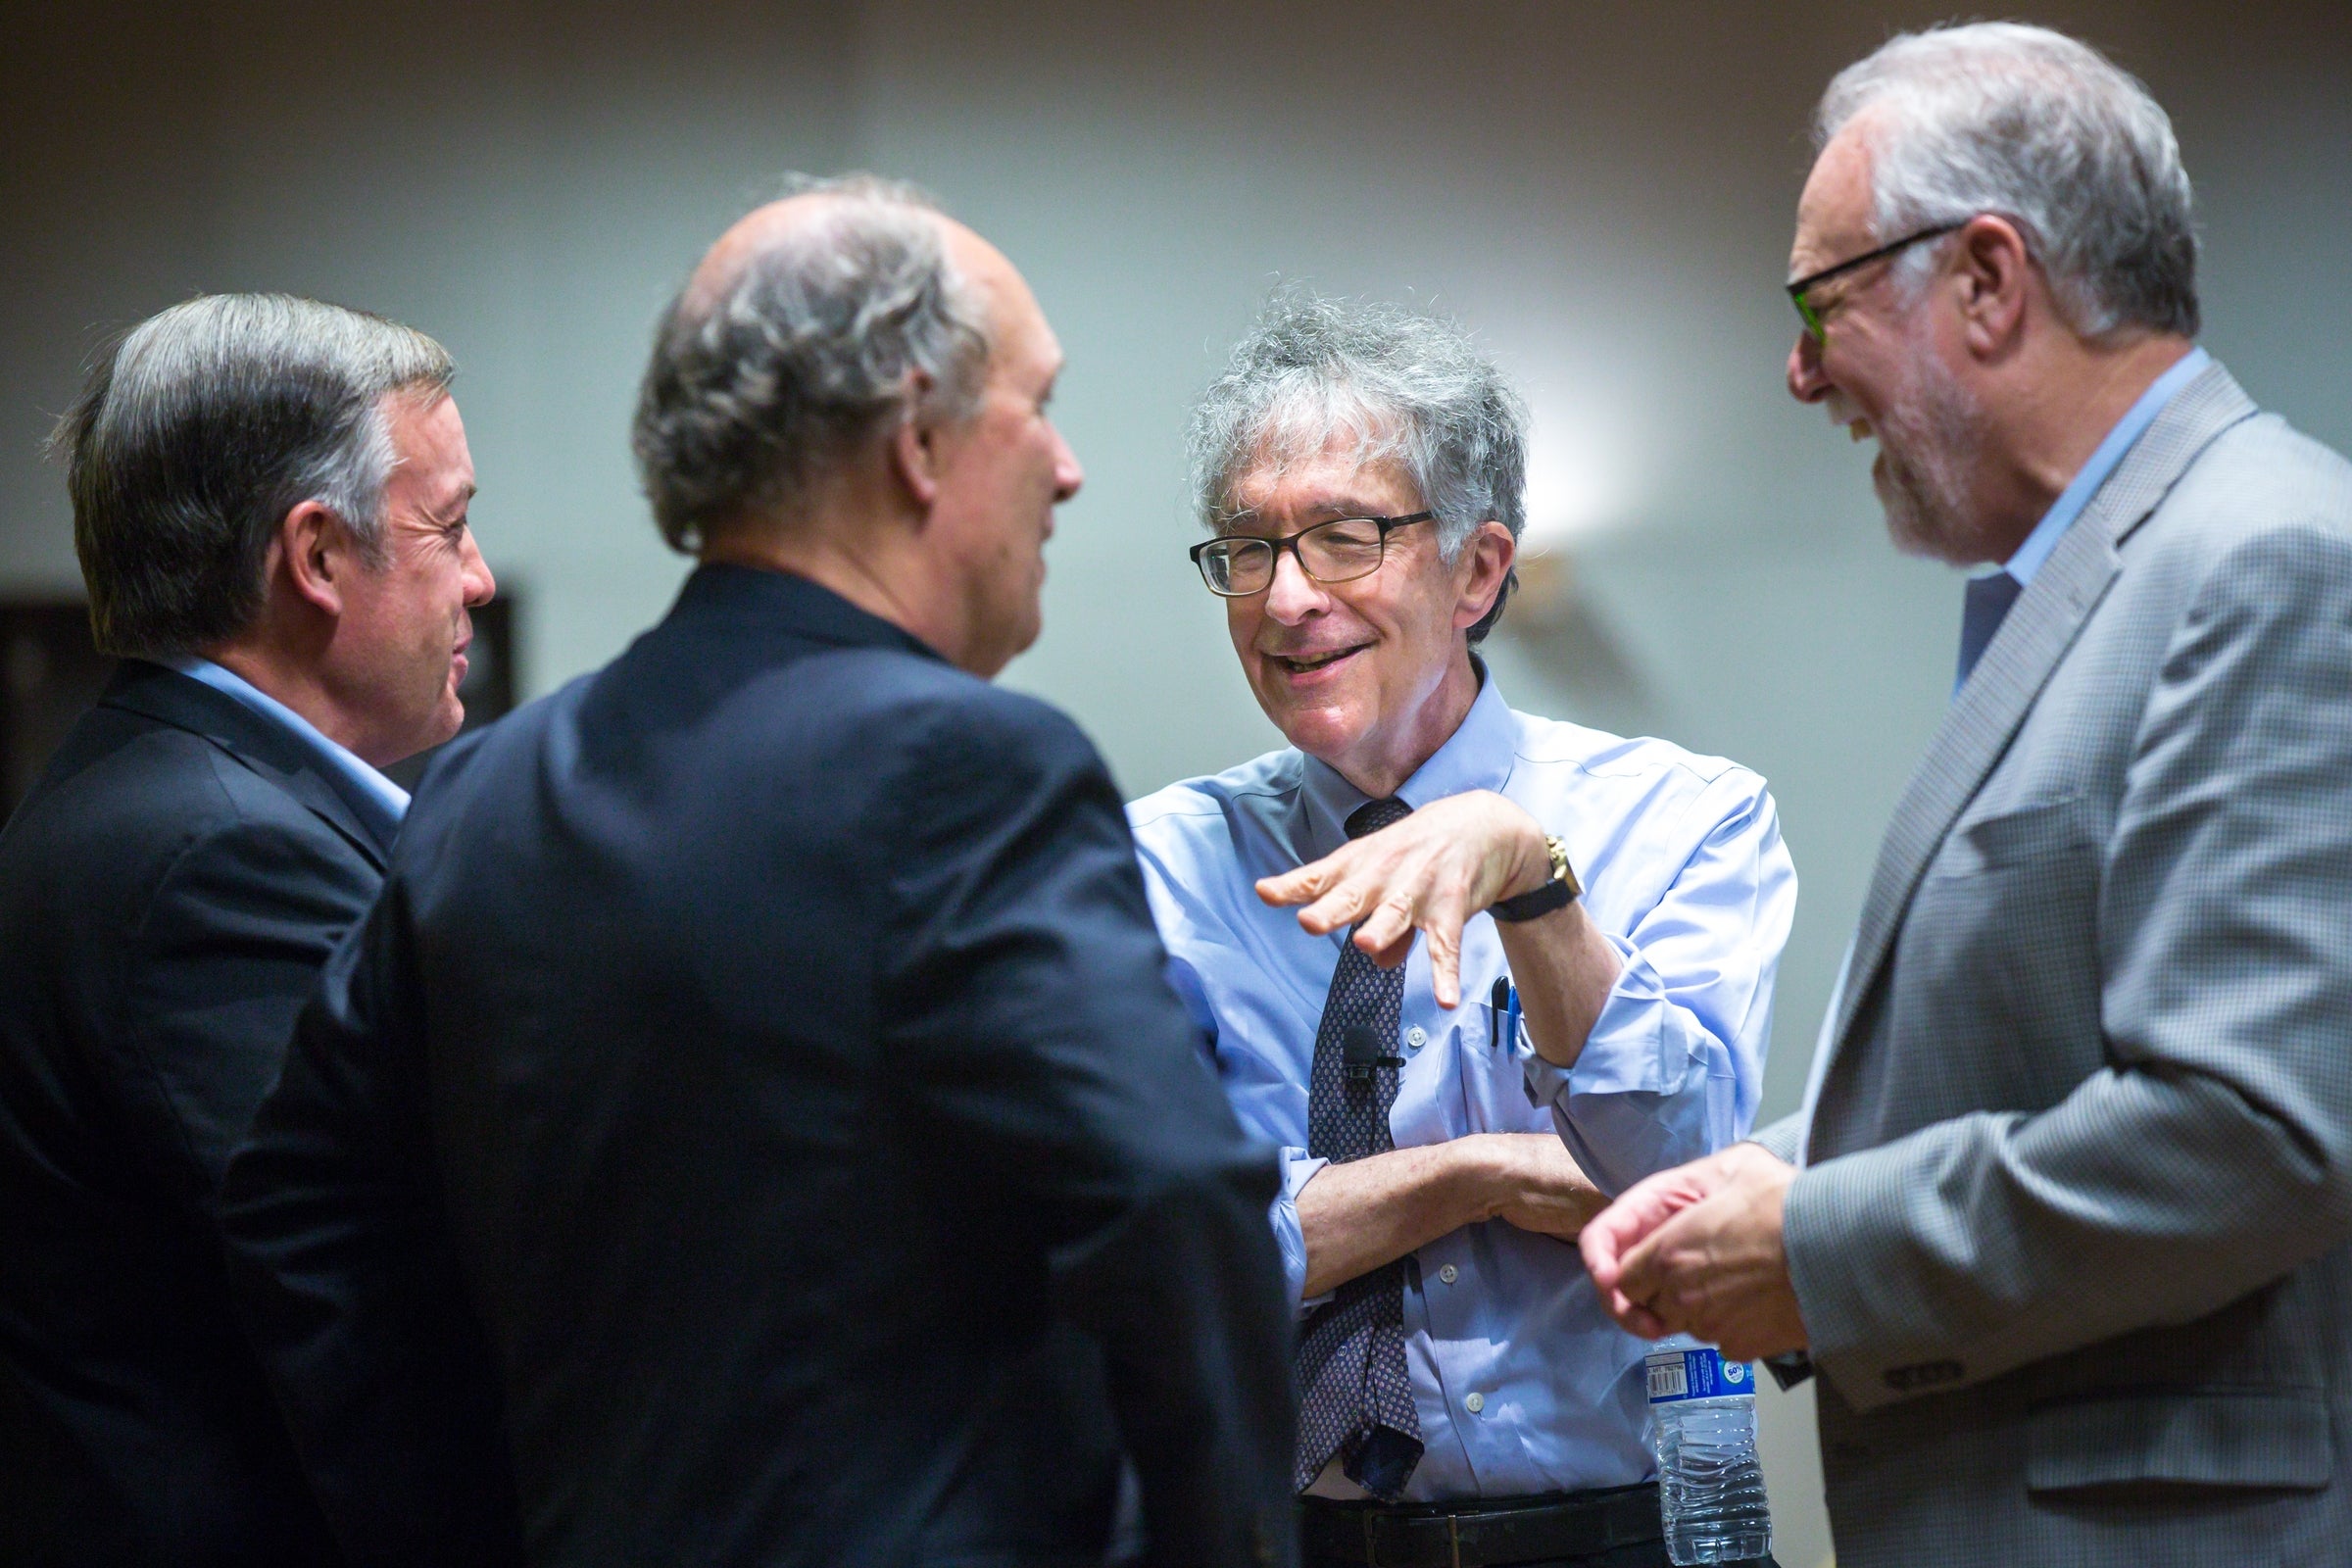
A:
1449	1273
1475	1403
1417	1037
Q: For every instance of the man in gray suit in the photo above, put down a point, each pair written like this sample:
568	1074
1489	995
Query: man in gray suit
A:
2064	1221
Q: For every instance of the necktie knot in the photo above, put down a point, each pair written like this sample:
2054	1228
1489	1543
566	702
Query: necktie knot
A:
1373	815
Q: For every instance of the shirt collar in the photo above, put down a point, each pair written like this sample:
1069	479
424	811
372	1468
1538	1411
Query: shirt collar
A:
1477	756
2103	461
389	802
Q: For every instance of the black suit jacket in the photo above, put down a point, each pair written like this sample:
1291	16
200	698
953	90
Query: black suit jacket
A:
779	1022
168	892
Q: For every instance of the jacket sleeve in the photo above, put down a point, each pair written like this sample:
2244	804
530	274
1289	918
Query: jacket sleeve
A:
229	945
2220	1129
1026	999
347	1281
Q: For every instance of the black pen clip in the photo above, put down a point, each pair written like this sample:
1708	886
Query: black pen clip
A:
1360	1052
1499	1007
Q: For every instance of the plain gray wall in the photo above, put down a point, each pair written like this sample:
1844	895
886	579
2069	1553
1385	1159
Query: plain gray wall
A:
1605	193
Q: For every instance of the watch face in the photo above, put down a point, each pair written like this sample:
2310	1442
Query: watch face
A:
1561	870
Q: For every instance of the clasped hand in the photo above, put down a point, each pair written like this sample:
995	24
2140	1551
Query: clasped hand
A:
1430	872
1698	1249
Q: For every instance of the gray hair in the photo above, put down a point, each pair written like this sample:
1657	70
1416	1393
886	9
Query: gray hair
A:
812	352
196	434
1403	387
1998	116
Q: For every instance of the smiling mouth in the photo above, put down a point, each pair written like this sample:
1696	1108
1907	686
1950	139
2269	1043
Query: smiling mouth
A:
1842	412
1308	664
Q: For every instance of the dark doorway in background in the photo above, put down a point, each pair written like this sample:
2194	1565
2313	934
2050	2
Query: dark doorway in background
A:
50	672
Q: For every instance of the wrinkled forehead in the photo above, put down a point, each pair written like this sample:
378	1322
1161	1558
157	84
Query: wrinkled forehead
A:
1301	464
1836	216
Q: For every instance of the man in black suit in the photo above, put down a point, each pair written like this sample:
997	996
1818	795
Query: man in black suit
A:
772	1021
269	500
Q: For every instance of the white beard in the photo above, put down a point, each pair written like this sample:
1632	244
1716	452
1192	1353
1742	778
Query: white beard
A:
1930	437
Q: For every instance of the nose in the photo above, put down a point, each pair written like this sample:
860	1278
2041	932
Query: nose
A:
1067	475
480	586
1292	595
1806	382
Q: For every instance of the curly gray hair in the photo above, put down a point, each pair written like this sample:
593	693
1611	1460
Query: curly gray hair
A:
1998	116
813	351
1403	387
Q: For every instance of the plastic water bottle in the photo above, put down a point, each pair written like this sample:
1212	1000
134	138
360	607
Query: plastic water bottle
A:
1704	1412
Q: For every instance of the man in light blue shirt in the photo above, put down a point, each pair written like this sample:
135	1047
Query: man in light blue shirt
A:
1446	1125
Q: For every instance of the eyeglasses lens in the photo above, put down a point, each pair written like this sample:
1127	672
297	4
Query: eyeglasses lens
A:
1340	551
1237	566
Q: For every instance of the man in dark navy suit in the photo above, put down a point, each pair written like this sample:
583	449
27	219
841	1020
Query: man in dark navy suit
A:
269	503
767	1038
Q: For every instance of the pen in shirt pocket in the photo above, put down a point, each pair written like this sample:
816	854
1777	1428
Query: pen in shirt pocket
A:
1503	1014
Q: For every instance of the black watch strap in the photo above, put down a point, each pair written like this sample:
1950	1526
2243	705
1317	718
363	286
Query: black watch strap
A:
1557	894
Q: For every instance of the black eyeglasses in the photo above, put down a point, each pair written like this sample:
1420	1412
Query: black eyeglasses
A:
1806	285
1237	566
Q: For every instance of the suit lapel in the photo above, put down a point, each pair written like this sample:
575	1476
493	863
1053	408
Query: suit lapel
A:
258	746
1985	717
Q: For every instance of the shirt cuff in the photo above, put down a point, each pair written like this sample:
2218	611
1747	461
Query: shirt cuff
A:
1298	1167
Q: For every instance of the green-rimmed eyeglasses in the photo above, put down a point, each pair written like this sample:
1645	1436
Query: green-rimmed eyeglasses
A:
1806	285
1239	565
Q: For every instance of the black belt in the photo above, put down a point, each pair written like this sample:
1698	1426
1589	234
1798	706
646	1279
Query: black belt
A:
1487	1534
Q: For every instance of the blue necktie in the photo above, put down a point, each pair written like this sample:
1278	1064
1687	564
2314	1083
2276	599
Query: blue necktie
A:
1355	1398
1988	600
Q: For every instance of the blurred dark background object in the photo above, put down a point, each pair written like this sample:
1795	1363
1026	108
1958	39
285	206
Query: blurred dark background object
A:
50	672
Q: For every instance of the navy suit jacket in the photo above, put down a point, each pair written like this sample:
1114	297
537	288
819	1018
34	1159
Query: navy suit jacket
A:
169	891
767	1038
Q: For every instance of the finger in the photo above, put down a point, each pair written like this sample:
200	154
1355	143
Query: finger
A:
1388	926
1646	1270
1342	906
1606	1238
1298	885
1444	932
1637	1318
1644	1207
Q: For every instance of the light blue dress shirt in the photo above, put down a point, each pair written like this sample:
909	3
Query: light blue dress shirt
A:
1523	1383
386	800
2104	459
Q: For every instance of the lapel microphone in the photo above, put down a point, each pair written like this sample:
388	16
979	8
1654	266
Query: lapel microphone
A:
1361	1051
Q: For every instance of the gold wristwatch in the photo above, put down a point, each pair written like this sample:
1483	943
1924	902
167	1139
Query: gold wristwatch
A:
1562	890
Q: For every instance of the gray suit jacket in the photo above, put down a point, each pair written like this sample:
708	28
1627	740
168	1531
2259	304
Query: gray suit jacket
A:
2072	1239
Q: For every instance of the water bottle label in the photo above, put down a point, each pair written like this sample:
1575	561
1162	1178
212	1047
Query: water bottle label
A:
1699	1374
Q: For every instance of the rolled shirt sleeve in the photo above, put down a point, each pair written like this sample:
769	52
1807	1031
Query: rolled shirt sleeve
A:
1674	1066
1298	1167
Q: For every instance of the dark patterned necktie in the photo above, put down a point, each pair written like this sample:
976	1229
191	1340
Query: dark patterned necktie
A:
1354	1397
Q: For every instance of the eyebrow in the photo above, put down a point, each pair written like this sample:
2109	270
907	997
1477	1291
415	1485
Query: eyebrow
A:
1331	503
454	507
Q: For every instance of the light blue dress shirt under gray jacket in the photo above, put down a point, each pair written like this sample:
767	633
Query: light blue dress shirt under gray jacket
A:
1523	1383
2021	564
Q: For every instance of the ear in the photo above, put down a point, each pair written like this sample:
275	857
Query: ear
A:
1488	555
1993	273
315	551
914	454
